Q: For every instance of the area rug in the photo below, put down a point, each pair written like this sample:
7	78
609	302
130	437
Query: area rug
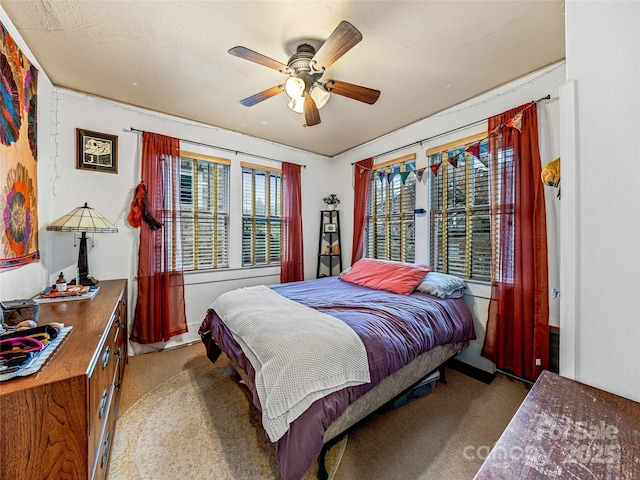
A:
200	424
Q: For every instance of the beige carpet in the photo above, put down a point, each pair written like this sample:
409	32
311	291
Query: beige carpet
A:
445	435
199	424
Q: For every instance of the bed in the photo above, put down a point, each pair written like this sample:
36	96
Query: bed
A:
405	337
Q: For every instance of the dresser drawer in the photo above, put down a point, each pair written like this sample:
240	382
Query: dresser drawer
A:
101	385
103	453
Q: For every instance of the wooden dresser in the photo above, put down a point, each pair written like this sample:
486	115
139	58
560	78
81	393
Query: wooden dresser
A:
59	422
567	430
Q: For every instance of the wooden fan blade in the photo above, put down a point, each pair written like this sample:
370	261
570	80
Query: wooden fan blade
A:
259	97
311	113
341	40
256	57
356	92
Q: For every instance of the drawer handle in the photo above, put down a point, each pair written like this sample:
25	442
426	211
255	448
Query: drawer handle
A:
118	321
103	403
119	352
105	357
105	450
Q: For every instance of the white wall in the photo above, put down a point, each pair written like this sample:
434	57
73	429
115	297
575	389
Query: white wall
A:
532	87
603	62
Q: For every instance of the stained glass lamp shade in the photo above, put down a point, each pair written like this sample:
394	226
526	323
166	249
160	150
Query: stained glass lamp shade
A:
84	220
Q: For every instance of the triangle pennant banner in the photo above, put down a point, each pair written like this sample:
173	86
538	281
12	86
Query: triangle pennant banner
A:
474	150
515	122
453	161
435	167
419	174
403	176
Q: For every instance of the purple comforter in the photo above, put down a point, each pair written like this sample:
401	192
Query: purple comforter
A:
394	328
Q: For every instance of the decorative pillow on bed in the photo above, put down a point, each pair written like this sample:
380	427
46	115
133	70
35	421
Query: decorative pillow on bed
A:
395	277
442	285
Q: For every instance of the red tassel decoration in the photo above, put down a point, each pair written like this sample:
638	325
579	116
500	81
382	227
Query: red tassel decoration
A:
135	213
140	210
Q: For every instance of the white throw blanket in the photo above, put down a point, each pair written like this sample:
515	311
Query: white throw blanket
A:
298	353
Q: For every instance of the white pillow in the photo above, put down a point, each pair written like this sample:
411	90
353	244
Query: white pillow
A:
442	285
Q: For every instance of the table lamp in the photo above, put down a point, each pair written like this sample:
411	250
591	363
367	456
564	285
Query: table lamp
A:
84	220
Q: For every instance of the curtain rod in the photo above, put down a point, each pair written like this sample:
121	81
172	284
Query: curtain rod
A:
235	152
420	142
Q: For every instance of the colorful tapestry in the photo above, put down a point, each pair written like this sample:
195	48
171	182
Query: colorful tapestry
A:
18	156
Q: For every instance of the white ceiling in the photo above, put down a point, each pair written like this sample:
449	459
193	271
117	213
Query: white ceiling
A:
171	57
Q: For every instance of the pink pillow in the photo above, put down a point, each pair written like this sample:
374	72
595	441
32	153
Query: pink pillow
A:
395	277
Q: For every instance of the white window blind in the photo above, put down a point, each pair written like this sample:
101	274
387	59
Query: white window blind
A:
204	211
261	215
502	219
460	209
390	226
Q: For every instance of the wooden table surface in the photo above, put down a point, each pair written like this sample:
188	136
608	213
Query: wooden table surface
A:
568	430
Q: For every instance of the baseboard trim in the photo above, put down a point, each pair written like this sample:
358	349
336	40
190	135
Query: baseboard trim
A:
471	371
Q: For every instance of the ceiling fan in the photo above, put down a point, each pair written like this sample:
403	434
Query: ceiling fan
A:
305	69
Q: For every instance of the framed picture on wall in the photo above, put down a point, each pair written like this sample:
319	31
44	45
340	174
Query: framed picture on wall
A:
96	151
330	228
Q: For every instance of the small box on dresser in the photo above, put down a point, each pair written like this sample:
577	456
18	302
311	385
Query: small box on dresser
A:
60	421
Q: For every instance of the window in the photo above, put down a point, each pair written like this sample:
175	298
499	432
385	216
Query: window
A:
204	211
261	214
390	228
203	223
460	208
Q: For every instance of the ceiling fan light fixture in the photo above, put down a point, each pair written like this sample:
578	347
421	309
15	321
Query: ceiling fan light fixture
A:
304	70
294	86
297	104
320	96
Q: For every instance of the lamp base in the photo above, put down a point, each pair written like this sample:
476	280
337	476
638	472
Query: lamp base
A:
83	263
87	281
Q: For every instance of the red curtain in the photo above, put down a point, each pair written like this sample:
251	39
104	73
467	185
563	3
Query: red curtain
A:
160	309
292	257
361	188
517	336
